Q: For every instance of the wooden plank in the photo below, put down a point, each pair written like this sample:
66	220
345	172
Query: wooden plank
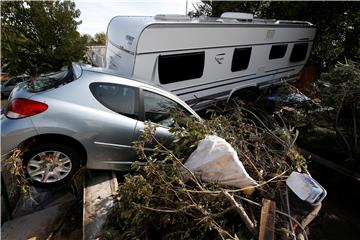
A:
267	220
98	200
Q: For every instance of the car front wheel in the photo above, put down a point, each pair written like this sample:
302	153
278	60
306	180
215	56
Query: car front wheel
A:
50	164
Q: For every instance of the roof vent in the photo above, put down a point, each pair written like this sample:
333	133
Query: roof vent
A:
238	15
172	17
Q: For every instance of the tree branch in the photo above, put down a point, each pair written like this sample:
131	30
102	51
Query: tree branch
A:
240	209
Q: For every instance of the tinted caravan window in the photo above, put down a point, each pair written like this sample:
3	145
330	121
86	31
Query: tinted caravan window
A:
277	51
241	59
180	67
299	52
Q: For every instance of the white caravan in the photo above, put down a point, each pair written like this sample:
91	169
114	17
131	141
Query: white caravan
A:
204	59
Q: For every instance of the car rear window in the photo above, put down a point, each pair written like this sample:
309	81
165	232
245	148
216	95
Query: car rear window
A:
55	79
47	81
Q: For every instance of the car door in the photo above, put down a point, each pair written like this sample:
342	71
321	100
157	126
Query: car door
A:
115	132
158	108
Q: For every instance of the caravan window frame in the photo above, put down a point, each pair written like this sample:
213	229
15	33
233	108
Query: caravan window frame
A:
180	67
241	59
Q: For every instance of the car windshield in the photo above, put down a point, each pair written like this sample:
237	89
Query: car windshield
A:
54	79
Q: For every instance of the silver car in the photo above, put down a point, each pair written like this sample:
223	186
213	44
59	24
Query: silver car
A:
82	117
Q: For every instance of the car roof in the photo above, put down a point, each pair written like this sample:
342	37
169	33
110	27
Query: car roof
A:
102	70
117	74
127	80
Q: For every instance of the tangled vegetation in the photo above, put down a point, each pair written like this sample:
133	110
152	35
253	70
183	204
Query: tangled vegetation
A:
330	127
340	94
162	199
14	167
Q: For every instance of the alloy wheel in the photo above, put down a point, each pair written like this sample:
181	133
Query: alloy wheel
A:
49	166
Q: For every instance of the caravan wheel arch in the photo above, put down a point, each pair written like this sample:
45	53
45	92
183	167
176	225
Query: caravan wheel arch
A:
237	91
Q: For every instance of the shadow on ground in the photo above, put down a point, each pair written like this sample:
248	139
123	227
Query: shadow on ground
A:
339	217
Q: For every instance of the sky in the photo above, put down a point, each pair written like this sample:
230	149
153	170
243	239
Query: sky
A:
96	14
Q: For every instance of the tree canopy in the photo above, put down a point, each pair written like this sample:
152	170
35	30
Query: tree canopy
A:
39	36
98	39
338	24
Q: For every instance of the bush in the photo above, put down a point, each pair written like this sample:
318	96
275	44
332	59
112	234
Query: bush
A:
162	200
340	95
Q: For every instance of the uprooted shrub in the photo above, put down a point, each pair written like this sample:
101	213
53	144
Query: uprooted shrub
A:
161	199
329	121
13	166
330	125
340	94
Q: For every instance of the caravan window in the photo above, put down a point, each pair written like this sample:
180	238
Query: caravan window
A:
241	59
180	67
277	51
299	52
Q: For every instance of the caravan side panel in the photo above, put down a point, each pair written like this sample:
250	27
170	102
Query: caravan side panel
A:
122	39
219	45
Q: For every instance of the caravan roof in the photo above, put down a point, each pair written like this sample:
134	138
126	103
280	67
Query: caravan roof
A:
134	26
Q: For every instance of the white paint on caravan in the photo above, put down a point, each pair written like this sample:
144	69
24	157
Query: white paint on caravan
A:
204	58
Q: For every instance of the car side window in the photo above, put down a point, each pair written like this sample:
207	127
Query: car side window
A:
14	81
118	98
159	109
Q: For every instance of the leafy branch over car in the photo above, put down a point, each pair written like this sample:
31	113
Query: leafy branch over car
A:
39	36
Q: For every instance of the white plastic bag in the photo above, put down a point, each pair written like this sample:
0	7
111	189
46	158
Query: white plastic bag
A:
216	160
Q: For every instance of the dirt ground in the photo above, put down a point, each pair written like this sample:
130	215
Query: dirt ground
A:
339	217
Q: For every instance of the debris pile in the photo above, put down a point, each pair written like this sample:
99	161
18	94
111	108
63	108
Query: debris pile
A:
163	199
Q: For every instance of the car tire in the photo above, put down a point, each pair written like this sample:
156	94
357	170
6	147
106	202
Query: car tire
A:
3	97
50	164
